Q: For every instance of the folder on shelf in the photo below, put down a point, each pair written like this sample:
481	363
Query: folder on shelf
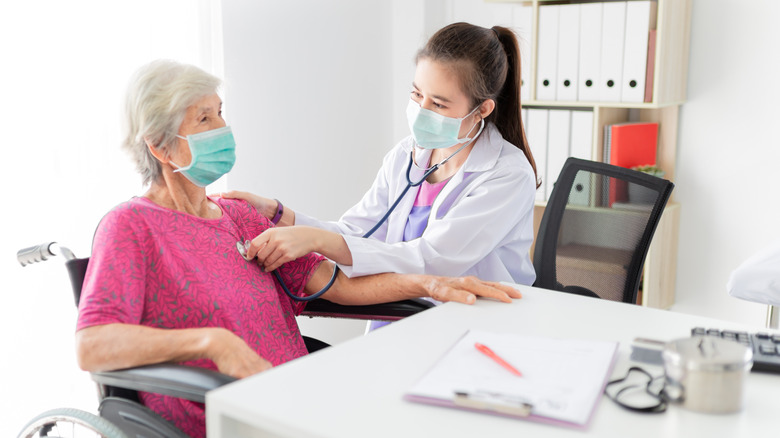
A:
613	25
628	145
590	52
640	18
650	74
537	141
557	146
581	146
547	52
561	380
522	23
568	52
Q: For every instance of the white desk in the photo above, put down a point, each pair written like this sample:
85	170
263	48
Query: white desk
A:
355	389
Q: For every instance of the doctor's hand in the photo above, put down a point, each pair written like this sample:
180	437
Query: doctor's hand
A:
467	289
265	206
277	246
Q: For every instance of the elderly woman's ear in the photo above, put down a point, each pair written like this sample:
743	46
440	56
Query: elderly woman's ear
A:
156	153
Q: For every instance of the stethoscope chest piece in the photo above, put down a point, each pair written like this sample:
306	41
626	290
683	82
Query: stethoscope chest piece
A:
242	247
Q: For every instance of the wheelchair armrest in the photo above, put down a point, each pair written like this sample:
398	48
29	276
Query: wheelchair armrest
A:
181	381
375	312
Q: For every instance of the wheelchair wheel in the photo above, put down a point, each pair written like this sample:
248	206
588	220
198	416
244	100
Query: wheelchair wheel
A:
70	423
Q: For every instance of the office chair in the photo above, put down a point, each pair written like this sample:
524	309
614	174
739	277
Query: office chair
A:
596	229
121	413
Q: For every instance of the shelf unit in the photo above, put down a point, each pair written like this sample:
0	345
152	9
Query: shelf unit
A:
669	92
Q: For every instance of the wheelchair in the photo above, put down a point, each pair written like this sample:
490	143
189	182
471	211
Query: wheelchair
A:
120	413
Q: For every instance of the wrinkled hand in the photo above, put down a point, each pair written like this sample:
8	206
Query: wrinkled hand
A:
276	246
233	356
467	289
266	207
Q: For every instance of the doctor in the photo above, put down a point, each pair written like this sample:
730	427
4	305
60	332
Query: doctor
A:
473	215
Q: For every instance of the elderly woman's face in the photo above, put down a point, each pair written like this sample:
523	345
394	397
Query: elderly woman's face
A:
203	115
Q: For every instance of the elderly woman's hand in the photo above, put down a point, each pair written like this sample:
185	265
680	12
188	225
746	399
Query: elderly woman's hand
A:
233	356
467	289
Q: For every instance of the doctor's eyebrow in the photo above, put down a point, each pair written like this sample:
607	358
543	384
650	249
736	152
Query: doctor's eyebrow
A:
441	98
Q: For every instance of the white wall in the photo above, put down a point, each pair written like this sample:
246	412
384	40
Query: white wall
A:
309	95
728	153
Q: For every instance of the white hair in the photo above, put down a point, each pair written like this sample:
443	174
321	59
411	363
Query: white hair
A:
157	99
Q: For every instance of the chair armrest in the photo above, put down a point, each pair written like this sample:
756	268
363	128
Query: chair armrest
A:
190	383
375	312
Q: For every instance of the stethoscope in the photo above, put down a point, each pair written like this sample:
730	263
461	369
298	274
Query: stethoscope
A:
409	184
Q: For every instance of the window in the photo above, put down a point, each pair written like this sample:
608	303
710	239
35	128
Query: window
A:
65	69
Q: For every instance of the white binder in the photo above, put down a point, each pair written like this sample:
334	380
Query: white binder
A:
640	18
568	52
590	52
547	55
557	146
522	18
581	146
537	140
613	25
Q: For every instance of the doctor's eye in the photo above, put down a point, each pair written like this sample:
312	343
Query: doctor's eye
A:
416	94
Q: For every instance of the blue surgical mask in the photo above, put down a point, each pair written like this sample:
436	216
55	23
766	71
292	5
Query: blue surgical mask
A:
432	130
213	155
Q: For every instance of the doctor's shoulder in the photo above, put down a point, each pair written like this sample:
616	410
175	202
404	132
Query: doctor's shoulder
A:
512	157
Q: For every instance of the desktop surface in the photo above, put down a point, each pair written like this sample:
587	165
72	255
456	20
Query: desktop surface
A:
356	389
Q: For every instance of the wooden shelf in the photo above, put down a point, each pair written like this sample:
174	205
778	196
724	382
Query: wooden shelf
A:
669	92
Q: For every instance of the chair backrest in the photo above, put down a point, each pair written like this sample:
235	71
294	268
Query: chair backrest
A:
597	228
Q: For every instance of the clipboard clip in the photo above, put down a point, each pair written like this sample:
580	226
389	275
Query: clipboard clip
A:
492	401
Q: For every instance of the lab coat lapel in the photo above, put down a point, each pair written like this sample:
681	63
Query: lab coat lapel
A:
484	156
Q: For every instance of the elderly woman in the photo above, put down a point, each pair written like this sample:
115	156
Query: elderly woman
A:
166	282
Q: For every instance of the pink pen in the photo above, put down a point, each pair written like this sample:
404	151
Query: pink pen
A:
489	353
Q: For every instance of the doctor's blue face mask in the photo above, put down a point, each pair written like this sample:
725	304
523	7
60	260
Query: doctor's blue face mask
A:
213	155
432	130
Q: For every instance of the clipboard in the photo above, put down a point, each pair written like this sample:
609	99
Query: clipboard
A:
562	379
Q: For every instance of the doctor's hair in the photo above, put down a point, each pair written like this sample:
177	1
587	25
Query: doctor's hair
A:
155	105
487	64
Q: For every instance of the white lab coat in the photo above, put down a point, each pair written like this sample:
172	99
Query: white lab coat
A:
757	279
480	224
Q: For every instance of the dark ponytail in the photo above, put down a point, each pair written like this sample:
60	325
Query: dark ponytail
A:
487	62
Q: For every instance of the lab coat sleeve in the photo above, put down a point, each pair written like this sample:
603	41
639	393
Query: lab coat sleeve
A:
494	210
757	279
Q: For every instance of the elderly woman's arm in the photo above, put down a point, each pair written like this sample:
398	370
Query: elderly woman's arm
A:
117	346
382	288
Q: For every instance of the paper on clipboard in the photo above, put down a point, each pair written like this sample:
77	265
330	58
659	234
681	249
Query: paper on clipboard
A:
562	381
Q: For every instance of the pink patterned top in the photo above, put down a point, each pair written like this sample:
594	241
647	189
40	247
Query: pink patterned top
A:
162	268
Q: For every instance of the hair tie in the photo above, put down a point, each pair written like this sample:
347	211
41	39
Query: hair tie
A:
495	32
